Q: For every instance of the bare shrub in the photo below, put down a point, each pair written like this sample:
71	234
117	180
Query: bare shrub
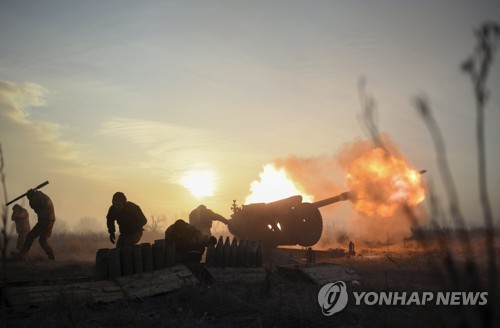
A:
457	274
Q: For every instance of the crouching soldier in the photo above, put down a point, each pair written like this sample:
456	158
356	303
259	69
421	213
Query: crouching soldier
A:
189	242
130	221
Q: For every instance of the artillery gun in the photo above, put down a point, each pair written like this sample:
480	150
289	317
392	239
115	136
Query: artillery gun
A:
288	221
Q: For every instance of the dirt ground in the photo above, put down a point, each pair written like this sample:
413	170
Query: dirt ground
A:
278	302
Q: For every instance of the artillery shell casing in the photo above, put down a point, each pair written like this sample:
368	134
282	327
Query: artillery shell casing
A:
253	253
101	264
210	259
147	257
158	254
169	253
233	252
219	253
246	256
114	263
127	262
240	257
227	252
137	258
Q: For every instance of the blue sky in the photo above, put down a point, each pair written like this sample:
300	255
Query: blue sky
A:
98	97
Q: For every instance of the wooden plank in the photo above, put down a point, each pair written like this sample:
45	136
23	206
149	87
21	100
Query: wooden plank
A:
237	275
320	273
25	296
156	282
44	282
105	291
137	285
330	273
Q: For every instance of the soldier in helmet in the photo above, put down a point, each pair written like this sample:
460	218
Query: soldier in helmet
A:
22	220
130	221
202	218
43	207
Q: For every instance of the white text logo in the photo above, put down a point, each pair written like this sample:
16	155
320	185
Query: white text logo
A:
415	298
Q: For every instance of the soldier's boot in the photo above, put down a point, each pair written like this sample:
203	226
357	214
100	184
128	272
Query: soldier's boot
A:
51	256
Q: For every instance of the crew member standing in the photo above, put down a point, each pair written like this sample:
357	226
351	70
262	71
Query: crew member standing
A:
43	207
130	221
202	217
22	219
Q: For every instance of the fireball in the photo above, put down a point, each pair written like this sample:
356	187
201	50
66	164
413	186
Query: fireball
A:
274	184
382	183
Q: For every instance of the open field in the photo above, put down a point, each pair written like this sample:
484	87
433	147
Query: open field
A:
279	301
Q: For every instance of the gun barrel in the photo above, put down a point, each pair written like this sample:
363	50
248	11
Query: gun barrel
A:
43	184
343	196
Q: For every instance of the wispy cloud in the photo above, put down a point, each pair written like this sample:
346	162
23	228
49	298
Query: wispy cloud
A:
18	101
165	149
121	147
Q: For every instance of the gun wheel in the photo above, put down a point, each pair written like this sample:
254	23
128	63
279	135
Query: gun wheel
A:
309	224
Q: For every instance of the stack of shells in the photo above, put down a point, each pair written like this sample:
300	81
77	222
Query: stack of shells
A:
117	262
233	254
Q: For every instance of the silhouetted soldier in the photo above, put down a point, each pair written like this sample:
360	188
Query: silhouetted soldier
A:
130	221
43	207
189	242
202	217
22	219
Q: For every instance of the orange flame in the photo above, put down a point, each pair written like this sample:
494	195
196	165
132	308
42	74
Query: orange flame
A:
382	183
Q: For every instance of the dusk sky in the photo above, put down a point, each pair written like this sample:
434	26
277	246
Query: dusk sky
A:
139	96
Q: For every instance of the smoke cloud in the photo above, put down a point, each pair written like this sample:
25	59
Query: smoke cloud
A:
326	176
